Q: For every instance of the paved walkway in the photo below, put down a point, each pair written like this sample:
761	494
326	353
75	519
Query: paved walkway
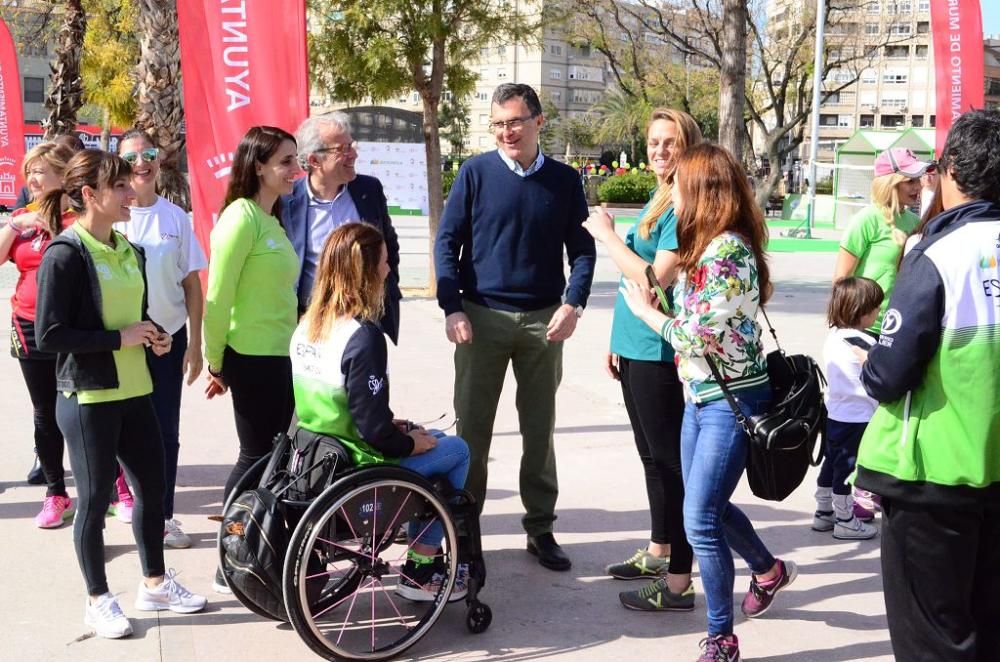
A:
833	612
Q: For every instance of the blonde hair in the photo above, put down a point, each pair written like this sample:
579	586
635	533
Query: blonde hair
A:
688	135
885	196
54	154
347	280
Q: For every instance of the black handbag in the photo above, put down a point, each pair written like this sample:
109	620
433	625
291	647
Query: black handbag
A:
783	440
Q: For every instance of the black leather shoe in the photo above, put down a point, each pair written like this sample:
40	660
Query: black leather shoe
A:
548	551
36	476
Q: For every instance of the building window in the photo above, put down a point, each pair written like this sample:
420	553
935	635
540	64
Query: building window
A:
585	51
866	121
993	87
501	50
555	74
873	7
897	52
415	97
484	51
892	121
933	121
871	28
917	121
845	121
893	102
923	5
483	72
901	7
868	76
35	49
555	50
900	29
34	90
828	120
484	119
894	78
921	52
923	27
556	95
482	96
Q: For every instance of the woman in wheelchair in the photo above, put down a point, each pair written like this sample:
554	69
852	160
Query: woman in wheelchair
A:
340	376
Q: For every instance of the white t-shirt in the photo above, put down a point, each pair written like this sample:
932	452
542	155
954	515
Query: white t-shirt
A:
846	399
166	234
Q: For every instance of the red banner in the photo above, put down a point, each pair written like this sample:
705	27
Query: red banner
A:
11	120
957	28
244	64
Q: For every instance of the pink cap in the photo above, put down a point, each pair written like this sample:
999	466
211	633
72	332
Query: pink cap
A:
902	161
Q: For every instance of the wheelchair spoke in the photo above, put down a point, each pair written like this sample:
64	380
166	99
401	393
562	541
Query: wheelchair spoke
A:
392	527
413	542
348	520
352	552
392	604
350	608
374	548
335	605
372	594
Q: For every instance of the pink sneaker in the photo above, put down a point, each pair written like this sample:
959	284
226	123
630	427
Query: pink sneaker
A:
55	511
123	507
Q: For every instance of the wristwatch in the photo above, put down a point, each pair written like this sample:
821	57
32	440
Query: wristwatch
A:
579	311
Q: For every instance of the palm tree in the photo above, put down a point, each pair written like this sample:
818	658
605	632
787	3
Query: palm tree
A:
161	112
66	88
623	119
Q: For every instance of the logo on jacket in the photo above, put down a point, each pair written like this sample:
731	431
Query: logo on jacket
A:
891	322
104	271
376	384
988	262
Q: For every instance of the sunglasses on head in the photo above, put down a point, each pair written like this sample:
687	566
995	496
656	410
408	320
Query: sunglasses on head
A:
148	155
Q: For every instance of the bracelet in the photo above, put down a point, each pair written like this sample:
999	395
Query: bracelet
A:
215	373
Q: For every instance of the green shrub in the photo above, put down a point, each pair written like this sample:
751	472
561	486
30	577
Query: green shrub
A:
633	187
824	186
447	179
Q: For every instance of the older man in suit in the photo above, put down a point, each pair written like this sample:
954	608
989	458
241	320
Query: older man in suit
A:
332	194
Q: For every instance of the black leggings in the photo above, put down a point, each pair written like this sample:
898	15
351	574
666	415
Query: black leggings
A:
97	434
262	404
40	378
654	400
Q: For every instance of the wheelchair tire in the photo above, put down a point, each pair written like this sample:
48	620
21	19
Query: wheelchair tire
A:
246	481
478	617
360	615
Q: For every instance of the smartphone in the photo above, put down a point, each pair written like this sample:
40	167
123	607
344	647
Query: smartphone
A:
655	284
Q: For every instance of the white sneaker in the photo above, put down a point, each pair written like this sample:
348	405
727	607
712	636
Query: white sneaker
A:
107	618
173	536
854	529
823	520
219	584
169	595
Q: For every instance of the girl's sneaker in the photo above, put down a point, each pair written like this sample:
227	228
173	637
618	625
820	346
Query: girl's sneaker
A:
55	511
823	520
854	529
173	536
657	596
720	648
761	594
169	595
123	506
422	582
107	618
642	565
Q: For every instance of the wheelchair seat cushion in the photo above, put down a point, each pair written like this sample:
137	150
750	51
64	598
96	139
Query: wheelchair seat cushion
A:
255	540
314	461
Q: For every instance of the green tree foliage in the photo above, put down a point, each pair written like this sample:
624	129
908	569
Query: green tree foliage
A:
110	53
455	120
377	49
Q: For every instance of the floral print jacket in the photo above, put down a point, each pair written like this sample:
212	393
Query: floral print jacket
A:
718	318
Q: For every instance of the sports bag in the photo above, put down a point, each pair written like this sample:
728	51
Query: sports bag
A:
313	462
783	438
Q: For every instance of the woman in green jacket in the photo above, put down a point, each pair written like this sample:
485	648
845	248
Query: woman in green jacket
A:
250	306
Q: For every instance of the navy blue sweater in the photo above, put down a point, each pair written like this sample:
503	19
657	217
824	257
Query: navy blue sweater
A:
501	239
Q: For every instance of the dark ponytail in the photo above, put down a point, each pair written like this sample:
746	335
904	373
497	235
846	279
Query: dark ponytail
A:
90	167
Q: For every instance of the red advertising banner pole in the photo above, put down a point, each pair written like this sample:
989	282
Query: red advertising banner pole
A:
11	120
244	64
957	29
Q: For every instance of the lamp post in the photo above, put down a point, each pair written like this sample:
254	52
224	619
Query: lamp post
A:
817	92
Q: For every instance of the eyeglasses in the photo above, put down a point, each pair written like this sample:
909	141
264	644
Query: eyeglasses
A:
515	124
341	149
148	155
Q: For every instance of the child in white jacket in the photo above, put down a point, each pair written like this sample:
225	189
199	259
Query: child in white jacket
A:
854	305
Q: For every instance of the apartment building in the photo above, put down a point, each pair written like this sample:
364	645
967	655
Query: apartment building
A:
896	88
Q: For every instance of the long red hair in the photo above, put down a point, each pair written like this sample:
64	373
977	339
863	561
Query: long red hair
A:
715	198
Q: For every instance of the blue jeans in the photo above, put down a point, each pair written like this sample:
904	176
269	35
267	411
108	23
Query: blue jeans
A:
450	458
713	457
167	372
842	442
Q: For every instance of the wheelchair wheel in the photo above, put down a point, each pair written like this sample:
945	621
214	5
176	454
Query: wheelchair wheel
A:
351	527
246	481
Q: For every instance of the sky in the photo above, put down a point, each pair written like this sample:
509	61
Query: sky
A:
991	17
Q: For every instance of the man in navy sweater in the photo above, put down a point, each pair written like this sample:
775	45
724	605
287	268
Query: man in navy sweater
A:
501	283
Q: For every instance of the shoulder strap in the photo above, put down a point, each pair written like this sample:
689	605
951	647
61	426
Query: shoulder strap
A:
740	418
770	327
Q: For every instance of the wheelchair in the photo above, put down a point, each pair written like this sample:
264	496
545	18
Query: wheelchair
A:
336	558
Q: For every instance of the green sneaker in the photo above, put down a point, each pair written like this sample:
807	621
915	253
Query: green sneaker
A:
642	565
657	597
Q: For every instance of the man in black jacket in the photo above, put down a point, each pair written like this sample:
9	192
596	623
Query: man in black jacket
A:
330	195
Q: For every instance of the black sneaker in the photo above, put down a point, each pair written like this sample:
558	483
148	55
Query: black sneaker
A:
422	583
642	565
36	476
657	597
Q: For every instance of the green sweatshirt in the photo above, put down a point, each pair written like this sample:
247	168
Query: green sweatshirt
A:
251	303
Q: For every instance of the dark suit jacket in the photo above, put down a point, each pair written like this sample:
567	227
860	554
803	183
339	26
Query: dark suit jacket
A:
369	199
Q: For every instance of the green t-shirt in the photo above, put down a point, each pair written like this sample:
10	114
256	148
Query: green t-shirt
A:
251	303
869	238
631	337
122	289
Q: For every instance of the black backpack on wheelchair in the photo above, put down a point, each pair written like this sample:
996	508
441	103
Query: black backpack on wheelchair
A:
257	525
